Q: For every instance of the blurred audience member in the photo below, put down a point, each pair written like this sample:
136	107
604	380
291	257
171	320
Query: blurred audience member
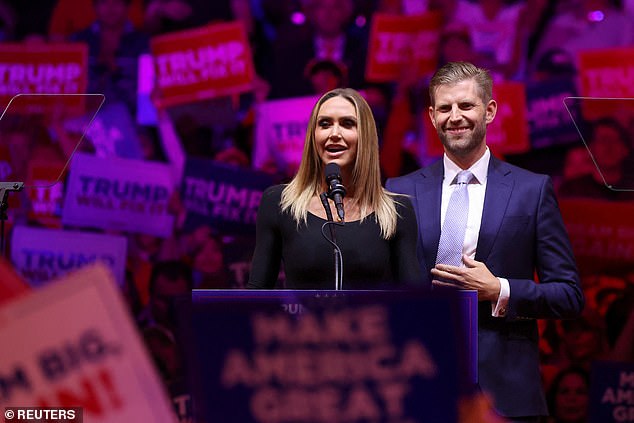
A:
400	146
604	299
18	138
600	287
585	24
209	267
581	341
568	396
167	356
71	16
113	50
164	351
259	40
169	280
497	30
447	8
232	156
150	144
131	294
25	142
194	135
163	16
379	98
619	322
456	46
610	148
203	248
143	251
576	163
549	340
555	64
401	7
325	75
328	35
8	21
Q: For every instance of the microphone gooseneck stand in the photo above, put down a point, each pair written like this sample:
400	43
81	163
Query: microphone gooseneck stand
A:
333	240
5	187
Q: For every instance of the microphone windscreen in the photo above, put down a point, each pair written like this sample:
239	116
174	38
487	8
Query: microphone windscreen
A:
332	171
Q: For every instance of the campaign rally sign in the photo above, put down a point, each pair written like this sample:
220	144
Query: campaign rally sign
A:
41	255
280	133
113	133
56	68
606	74
201	63
45	191
611	392
507	134
550	122
399	42
222	196
73	344
601	232
11	284
119	194
325	356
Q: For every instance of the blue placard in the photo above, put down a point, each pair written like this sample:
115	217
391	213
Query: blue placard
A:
41	255
222	196
549	122
328	356
120	194
612	392
113	133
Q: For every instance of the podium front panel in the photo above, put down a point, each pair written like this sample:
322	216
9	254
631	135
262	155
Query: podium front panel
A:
329	356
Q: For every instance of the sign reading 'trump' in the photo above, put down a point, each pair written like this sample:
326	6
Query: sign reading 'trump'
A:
202	63
121	194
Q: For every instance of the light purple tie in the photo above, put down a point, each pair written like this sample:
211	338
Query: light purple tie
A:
455	225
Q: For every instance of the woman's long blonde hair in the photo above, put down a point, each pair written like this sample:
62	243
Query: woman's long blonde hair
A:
366	175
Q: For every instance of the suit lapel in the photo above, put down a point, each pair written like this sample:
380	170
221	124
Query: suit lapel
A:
496	199
428	192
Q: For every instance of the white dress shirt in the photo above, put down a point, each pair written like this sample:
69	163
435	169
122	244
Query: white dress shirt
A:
476	189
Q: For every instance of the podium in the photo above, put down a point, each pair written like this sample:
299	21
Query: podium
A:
329	356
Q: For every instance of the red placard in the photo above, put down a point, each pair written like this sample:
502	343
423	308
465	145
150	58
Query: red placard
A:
397	42
206	62
45	192
606	74
57	68
508	133
11	285
601	232
77	346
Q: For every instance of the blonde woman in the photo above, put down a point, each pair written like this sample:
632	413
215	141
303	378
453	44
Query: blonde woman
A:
378	240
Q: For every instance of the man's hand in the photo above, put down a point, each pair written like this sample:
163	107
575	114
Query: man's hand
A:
474	276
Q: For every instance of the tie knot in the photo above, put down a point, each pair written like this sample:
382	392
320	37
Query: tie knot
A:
464	177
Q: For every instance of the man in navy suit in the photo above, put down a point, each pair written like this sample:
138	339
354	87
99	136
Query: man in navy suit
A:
514	230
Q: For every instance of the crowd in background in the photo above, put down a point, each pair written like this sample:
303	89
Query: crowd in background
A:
307	47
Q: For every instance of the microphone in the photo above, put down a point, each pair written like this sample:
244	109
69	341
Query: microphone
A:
336	190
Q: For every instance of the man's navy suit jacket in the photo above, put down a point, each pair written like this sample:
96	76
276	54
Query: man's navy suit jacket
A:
521	234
